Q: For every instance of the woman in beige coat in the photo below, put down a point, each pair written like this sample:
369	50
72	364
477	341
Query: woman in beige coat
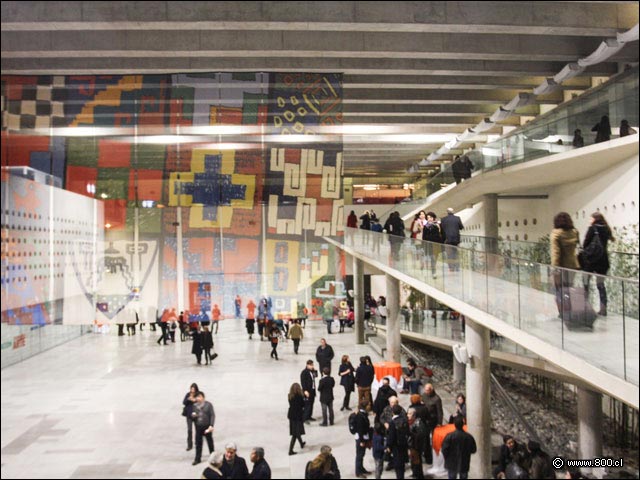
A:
564	242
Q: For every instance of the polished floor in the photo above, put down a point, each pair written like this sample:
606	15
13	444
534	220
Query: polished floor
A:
103	406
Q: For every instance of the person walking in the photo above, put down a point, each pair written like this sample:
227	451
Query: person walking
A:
238	304
261	469
325	387
564	240
451	226
602	129
466	165
250	322
327	314
377	449
207	345
274	337
233	466
347	380
215	318
187	411
457	448
366	221
196	348
599	231
308	383
365	374
362	437
352	220
296	334
163	326
295	415
324	355
205	420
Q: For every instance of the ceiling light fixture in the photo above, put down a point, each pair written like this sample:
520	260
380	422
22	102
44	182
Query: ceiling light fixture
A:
549	85
499	115
569	71
484	125
628	36
520	100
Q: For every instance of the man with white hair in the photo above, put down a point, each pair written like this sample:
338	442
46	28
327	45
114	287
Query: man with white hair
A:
451	226
233	466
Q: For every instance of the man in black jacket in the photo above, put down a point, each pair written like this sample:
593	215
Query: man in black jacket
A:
261	469
233	466
325	387
362	436
382	398
308	383
398	441
451	226
324	355
365	373
457	448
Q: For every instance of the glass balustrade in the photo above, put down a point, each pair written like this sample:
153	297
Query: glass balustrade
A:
556	305
551	133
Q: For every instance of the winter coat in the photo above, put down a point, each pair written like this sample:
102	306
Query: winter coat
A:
457	448
347	381
604	232
563	248
434	407
431	233
197	343
451	226
325	387
365	375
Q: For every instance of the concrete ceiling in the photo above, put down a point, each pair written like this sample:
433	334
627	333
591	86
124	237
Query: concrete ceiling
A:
409	67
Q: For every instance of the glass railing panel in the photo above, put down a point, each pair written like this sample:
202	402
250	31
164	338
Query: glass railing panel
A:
631	330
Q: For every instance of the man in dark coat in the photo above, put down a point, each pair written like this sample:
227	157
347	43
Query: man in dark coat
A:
325	387
324	355
308	383
398	441
233	466
508	452
362	436
465	167
261	469
433	402
457	448
456	169
196	349
382	398
365	373
207	344
451	226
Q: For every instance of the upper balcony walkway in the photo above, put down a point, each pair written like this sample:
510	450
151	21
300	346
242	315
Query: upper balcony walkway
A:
517	300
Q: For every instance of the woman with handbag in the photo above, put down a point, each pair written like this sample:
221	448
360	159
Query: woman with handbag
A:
598	262
189	400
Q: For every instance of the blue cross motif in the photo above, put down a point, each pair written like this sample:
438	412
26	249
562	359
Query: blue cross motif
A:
211	188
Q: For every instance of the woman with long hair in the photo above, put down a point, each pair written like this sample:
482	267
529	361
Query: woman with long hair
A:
564	241
189	400
602	129
599	228
296	416
346	373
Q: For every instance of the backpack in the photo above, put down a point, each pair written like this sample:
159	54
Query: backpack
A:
352	423
593	252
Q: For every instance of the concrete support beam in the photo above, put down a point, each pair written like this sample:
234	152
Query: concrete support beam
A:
490	214
458	371
479	397
393	314
358	299
589	427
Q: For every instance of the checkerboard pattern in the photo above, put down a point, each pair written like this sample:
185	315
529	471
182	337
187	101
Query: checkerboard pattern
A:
37	104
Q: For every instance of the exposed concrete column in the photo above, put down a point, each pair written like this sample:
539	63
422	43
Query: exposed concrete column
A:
458	371
358	299
490	211
589	427
393	312
479	397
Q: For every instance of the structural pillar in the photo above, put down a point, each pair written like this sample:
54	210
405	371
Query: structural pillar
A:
358	299
393	323
590	427
479	397
490	209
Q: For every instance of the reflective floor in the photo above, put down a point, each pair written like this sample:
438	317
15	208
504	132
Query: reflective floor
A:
104	406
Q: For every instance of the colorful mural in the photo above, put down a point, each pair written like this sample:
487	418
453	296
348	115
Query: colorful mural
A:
251	212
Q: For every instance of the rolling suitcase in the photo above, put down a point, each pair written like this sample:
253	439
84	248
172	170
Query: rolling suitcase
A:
577	312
